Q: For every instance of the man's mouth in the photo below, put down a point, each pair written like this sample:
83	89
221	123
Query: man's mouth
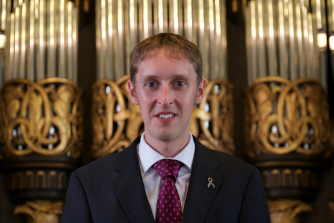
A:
166	116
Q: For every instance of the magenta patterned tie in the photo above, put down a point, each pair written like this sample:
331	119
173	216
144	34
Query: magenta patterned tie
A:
169	204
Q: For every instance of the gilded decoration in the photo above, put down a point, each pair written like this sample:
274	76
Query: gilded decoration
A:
43	118
32	179
117	121
287	211
213	120
290	178
285	116
331	206
41	211
2	124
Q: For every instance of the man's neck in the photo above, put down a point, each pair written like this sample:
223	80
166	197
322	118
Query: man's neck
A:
168	149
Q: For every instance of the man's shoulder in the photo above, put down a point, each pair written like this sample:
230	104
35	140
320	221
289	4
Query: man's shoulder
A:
105	161
225	158
225	164
108	163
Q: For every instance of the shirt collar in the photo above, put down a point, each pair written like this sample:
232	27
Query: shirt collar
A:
149	156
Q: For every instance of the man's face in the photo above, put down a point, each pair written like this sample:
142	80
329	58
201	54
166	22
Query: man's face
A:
166	91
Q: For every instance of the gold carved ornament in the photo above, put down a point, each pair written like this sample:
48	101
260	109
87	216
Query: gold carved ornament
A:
41	211
43	117
117	121
331	206
286	210
284	117
213	120
2	124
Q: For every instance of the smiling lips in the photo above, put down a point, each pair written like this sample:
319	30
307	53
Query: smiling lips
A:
166	116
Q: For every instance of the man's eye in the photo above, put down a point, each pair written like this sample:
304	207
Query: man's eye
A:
151	84
179	83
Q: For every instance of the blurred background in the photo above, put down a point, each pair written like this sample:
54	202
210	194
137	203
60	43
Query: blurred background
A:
269	98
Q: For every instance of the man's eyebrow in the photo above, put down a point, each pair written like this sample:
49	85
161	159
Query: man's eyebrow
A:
150	76
180	76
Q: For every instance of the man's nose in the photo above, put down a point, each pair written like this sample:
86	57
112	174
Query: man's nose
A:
165	96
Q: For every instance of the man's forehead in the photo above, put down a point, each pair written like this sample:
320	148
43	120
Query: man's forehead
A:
169	53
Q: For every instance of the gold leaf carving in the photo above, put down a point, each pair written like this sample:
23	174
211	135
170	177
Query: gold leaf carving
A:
287	211
41	211
284	117
213	121
116	121
331	206
43	117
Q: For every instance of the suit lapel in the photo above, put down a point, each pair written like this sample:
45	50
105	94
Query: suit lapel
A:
129	186
199	196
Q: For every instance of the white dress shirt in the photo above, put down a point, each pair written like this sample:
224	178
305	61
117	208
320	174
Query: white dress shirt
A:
152	180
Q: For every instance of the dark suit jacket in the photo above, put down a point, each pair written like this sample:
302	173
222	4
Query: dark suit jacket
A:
111	189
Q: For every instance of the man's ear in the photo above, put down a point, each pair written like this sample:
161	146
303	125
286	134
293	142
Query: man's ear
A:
132	92
200	91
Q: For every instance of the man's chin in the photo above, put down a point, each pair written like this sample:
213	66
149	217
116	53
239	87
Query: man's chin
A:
165	136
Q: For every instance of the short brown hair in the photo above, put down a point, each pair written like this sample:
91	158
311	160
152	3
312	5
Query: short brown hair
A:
175	45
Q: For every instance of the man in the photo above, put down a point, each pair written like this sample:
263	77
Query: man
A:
166	175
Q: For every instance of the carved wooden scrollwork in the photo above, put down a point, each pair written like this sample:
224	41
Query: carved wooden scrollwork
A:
43	118
284	117
41	211
2	124
117	121
286	210
331	207
213	120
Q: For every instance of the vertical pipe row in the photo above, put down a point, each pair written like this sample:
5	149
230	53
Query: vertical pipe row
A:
69	52
51	71
299	42
282	32
254	40
188	20
42	40
120	64
262	60
133	22
175	17
31	40
311	56
288	31
117	33
11	32
3	15
305	37
23	41
40	45
16	42
223	49
248	45
122	24
202	38
218	60
61	53
75	43
271	29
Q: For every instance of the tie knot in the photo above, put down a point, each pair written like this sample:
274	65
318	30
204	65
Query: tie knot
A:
167	167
